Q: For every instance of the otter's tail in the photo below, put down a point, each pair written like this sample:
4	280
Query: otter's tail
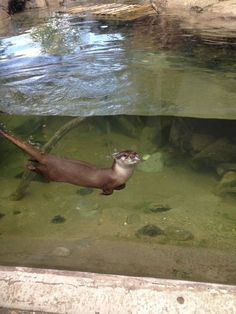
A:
34	152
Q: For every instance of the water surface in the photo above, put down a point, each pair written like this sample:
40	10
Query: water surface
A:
66	65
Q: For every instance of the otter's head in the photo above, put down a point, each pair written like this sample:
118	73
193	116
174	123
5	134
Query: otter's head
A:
126	158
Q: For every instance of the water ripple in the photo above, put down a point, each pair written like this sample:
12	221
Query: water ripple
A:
82	67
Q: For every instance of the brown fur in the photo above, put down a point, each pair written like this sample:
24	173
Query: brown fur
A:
55	168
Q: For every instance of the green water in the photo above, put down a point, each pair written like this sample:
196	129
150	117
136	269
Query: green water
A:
99	233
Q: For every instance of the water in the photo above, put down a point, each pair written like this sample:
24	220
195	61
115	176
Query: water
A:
59	65
63	226
65	65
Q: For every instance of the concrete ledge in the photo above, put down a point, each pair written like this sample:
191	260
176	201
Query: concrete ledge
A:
54	291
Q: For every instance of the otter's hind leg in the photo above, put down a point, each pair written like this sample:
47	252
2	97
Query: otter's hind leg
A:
38	168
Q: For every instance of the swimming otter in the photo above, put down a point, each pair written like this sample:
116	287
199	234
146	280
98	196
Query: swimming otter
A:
55	168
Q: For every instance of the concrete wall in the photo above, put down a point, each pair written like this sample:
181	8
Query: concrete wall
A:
27	289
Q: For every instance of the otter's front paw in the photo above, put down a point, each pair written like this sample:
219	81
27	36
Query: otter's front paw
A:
106	191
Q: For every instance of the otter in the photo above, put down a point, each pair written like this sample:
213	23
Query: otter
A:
59	169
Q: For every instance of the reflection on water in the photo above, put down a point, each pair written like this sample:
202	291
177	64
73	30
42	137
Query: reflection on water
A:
73	66
170	221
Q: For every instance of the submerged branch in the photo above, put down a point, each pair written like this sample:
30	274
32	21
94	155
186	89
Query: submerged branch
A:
28	175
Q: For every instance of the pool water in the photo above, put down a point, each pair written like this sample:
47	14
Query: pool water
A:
152	86
59	64
58	225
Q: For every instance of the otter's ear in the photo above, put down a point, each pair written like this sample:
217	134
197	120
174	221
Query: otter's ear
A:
115	155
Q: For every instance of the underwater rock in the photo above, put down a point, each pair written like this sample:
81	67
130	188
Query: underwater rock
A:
158	208
227	184
84	191
229	214
155	163
129	125
225	167
16	212
180	133
2	215
149	230
178	234
58	219
201	141
61	251
219	151
150	138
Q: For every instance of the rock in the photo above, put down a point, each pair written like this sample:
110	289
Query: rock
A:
180	133
225	167
229	214
158	208
55	3
126	125
4	5
211	19
196	8
16	212
217	8
16	6
3	14
4	19
58	219
149	230
178	234
219	151
223	8
227	184
155	163
151	138
61	251
2	215
33	4
200	141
